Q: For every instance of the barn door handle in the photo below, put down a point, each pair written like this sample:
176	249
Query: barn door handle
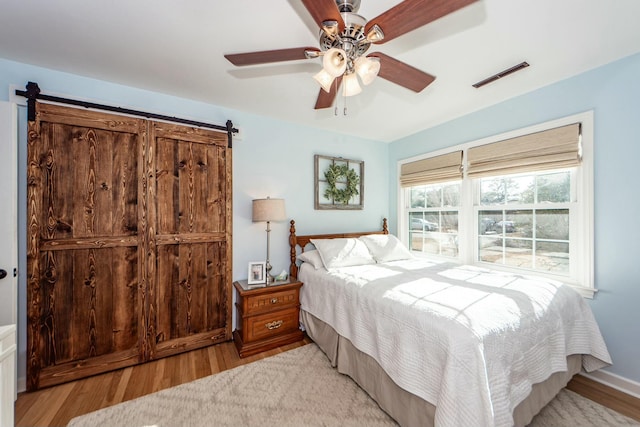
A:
3	274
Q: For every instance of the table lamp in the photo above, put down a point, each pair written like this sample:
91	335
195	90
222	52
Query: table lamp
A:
268	210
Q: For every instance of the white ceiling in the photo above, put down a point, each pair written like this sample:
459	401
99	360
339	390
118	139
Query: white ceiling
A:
177	47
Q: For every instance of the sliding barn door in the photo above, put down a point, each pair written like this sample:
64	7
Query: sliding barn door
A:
191	237
128	242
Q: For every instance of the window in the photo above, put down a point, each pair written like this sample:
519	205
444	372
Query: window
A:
433	219
524	203
523	221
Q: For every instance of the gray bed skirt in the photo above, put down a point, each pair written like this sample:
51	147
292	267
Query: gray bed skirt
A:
406	408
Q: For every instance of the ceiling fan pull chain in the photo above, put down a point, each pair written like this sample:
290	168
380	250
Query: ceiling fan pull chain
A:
344	111
335	111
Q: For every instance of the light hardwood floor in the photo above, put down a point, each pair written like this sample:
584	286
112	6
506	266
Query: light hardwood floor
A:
55	406
607	396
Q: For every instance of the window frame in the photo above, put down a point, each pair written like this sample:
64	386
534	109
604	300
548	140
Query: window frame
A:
439	235
581	230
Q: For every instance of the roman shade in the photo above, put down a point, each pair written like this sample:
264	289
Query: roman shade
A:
447	167
550	149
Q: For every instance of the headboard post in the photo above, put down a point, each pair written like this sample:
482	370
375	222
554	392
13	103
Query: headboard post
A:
293	268
385	229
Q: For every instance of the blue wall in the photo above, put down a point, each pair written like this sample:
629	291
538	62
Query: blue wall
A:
613	93
274	158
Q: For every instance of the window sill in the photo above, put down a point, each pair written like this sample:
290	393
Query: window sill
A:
585	292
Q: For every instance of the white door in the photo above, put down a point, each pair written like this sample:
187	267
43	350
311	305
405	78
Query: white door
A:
8	213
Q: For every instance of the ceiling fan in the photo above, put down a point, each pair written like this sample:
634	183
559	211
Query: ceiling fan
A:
345	37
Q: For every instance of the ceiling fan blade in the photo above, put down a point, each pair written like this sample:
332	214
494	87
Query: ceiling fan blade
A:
324	10
325	100
412	14
402	74
266	56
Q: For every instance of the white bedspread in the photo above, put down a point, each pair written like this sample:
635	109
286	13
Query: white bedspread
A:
470	341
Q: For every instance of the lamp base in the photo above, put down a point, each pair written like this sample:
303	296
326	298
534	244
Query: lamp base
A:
269	279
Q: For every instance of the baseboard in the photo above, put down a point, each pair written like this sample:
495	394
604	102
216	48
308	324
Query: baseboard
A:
622	384
21	385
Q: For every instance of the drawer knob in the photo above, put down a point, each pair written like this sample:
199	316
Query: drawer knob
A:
274	300
273	325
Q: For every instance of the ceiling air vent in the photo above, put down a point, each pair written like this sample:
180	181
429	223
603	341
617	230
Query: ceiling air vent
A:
501	74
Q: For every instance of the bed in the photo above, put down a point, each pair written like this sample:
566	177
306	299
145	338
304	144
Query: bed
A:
437	343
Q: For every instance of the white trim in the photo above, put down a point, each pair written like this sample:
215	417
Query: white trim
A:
625	385
22	384
17	99
584	291
8	394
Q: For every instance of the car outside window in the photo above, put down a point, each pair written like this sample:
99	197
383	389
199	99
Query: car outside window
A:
523	221
433	219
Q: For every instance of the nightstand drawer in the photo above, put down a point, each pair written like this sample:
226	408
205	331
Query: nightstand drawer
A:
271	301
272	324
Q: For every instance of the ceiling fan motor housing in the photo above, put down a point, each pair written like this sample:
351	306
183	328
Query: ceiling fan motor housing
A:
348	5
353	40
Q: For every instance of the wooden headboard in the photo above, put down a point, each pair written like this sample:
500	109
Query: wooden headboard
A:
303	241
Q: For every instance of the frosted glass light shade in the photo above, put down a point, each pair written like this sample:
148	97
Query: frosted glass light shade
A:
268	210
367	69
325	79
351	85
335	61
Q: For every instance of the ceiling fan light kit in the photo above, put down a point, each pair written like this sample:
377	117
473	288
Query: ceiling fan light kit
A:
345	37
343	49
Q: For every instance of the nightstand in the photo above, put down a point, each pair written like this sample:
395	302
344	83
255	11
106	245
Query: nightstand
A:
268	316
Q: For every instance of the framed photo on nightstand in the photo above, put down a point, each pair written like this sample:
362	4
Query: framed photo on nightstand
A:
256	272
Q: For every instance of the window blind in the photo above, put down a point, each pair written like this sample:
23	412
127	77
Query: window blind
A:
446	167
549	149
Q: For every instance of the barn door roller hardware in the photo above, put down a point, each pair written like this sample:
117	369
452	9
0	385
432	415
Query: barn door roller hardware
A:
32	93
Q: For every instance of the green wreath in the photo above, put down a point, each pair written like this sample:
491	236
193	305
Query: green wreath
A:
334	174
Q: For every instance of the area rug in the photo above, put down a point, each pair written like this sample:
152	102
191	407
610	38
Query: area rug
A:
297	388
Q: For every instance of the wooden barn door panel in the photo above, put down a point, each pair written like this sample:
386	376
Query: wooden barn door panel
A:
89	322
191	299
83	245
91	183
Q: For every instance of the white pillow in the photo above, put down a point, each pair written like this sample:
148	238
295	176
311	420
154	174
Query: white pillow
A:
312	257
342	252
386	247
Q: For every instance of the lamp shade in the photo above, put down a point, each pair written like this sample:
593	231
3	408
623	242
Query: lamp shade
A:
268	210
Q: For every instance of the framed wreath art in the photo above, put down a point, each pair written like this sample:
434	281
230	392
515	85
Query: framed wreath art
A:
339	183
